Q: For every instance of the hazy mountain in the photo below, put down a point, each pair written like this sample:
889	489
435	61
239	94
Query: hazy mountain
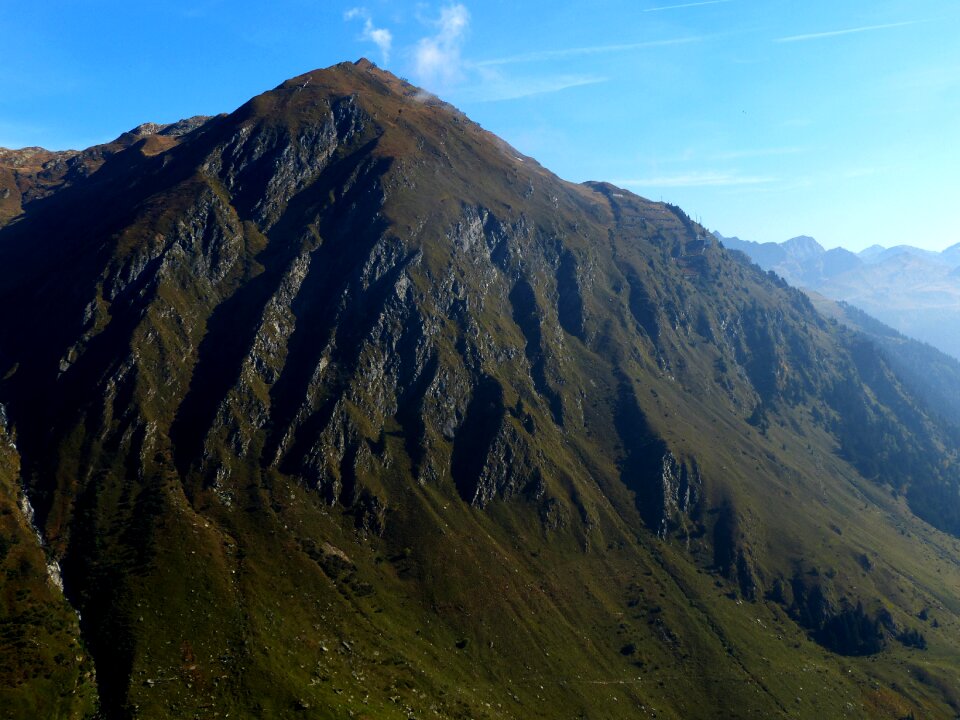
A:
915	291
339	406
933	376
870	252
900	251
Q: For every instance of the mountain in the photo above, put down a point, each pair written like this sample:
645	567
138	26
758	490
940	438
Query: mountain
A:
915	291
340	406
871	252
884	254
932	376
765	254
33	173
952	255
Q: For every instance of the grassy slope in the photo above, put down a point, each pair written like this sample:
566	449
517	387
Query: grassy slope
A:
45	670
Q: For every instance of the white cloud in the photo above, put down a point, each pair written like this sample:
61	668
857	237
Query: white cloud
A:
437	58
381	37
438	65
495	87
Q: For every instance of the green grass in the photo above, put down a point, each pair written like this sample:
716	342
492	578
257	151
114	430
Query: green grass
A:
45	670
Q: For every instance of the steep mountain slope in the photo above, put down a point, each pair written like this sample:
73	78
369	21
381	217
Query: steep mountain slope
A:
915	291
919	298
342	407
45	671
931	375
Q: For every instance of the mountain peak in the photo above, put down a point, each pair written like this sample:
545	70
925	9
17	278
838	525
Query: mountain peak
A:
350	77
803	246
872	250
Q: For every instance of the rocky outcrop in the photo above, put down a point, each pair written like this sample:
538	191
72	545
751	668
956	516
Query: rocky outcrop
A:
681	490
264	165
837	623
668	491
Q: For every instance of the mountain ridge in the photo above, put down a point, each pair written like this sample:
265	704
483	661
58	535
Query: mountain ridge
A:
32	173
910	289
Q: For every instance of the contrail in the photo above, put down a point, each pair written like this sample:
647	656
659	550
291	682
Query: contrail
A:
687	5
849	31
594	50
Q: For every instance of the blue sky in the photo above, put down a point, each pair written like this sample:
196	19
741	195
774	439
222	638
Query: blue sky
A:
764	118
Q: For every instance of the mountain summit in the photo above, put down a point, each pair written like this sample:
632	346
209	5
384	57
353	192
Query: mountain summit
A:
341	406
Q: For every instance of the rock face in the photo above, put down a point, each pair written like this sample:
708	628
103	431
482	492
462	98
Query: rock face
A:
338	399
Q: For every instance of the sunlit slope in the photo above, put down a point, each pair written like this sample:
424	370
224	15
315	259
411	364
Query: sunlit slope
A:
343	407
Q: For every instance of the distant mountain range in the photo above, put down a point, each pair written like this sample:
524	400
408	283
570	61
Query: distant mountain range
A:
913	290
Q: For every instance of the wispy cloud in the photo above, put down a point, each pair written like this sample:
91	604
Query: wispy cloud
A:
686	5
496	88
847	31
439	65
590	50
696	179
381	37
437	58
